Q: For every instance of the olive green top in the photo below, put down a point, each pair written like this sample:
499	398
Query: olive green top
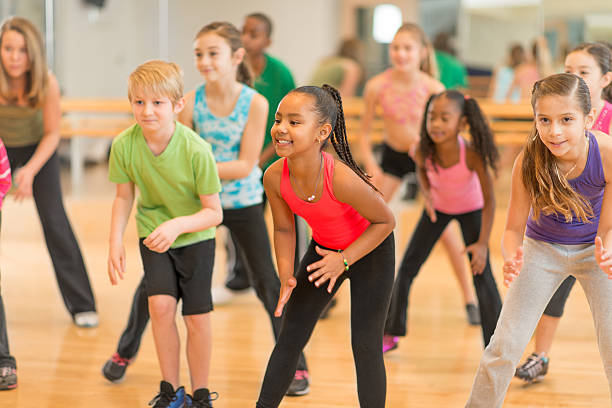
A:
20	125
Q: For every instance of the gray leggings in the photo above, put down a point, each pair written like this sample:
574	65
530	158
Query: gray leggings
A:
545	266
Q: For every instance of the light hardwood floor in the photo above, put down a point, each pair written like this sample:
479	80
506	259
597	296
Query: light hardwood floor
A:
59	364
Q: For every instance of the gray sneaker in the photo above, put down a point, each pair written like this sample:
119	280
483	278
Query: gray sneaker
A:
473	314
8	378
533	369
300	384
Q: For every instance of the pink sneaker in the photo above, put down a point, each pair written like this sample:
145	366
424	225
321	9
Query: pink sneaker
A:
389	342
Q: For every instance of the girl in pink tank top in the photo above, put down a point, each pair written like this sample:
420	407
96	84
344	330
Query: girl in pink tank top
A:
457	184
352	239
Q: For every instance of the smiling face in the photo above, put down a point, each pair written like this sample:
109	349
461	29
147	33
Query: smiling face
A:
406	52
561	124
584	65
297	127
444	120
14	54
214	57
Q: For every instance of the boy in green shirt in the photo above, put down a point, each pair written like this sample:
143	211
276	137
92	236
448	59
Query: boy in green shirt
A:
177	211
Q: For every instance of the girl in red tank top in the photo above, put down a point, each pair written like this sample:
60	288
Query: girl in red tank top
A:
352	239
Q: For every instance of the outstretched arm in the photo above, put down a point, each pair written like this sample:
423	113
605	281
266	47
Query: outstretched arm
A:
284	233
122	206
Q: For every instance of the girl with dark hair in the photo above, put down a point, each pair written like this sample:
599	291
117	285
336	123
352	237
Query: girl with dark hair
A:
559	224
592	62
352	239
457	184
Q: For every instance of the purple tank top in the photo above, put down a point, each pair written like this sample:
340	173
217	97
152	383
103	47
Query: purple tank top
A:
590	183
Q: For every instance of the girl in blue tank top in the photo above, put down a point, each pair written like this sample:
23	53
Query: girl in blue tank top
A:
556	227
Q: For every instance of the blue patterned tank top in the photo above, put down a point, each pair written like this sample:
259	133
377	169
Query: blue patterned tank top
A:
224	135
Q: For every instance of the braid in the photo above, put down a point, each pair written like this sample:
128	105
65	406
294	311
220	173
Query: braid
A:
339	140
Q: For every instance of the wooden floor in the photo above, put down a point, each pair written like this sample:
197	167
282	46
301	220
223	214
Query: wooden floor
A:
59	364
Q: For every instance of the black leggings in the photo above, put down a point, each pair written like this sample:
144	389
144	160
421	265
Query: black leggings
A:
371	283
248	227
423	239
557	302
65	253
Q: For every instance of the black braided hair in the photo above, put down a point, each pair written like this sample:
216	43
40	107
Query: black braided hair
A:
482	136
328	107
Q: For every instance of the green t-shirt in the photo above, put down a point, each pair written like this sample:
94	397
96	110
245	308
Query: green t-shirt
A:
171	183
452	72
274	83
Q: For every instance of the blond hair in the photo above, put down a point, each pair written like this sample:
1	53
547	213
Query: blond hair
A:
37	75
548	189
428	64
159	78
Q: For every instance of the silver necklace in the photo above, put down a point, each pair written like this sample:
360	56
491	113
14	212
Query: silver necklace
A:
577	160
310	197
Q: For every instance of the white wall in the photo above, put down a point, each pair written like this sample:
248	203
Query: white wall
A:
94	56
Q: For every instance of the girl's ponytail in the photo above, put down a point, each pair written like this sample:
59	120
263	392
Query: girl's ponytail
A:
482	136
244	74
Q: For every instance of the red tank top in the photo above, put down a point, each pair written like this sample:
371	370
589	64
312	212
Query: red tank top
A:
334	224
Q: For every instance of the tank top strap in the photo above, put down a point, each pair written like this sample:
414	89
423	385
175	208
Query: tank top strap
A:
461	151
328	163
200	97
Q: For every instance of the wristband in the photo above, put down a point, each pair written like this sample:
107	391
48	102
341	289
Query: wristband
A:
346	265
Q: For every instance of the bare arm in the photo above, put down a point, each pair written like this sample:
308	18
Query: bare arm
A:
369	98
480	248
185	116
166	233
518	212
122	206
251	143
51	110
350	80
284	233
350	189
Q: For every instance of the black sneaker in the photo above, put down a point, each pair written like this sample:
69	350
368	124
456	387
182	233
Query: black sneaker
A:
300	384
8	378
201	398
168	397
114	368
473	314
533	369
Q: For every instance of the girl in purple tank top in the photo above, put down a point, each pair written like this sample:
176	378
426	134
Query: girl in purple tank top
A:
592	62
558	186
457	184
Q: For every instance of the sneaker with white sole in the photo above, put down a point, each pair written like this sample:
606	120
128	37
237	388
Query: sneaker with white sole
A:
8	378
533	369
86	319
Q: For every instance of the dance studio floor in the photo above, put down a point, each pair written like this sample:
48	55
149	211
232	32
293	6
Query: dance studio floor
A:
59	365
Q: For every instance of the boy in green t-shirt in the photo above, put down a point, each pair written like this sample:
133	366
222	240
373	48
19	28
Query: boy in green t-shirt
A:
177	211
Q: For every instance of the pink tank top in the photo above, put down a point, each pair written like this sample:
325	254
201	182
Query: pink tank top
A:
402	107
456	189
334	224
602	123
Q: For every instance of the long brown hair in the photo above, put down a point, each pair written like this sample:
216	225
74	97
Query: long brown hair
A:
428	64
37	76
549	190
233	37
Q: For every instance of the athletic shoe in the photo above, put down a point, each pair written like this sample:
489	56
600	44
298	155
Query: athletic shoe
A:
202	398
115	367
86	319
533	369
390	343
168	397
300	384
8	378
473	314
